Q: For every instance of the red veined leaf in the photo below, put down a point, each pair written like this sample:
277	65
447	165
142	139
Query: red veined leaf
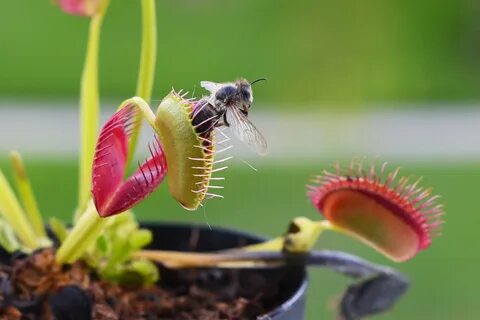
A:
111	194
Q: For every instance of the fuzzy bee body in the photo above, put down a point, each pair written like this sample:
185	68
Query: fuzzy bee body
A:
205	117
228	105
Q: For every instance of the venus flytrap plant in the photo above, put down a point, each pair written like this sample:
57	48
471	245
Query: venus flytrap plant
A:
144	89
89	96
392	215
187	154
89	228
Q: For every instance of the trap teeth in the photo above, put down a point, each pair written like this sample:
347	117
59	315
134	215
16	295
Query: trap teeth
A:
189	155
395	217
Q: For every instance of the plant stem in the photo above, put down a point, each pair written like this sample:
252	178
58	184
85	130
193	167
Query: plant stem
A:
146	73
145	111
85	232
299	241
13	213
338	261
26	194
89	107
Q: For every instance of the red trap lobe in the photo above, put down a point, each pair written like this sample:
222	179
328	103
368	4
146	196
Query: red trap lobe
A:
111	193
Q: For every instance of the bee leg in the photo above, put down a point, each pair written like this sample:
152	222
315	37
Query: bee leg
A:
225	122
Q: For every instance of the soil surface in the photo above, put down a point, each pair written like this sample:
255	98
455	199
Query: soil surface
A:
34	287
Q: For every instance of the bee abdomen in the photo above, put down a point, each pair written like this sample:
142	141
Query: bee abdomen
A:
204	117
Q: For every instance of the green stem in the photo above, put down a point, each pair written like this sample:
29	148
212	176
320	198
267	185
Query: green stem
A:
327	225
85	232
26	194
145	111
304	236
146	71
89	107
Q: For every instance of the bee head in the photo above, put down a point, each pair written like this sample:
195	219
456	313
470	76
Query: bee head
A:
245	91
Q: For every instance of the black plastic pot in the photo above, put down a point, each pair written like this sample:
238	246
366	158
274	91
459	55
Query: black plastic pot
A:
292	281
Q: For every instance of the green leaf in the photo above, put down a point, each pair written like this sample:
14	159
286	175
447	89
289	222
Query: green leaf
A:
140	238
138	272
103	245
58	228
8	240
15	216
26	194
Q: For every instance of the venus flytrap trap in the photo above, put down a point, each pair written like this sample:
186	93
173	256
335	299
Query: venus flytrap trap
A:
110	193
393	215
189	150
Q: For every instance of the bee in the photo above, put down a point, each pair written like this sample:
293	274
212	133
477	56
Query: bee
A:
228	105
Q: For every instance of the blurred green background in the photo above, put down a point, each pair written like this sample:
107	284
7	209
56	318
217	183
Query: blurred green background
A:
347	52
339	55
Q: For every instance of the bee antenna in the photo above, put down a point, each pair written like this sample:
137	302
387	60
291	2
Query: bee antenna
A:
258	80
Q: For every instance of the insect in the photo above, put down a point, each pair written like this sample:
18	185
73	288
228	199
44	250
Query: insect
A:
228	105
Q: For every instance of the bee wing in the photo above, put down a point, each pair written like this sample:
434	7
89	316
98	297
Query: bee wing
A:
211	87
246	130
